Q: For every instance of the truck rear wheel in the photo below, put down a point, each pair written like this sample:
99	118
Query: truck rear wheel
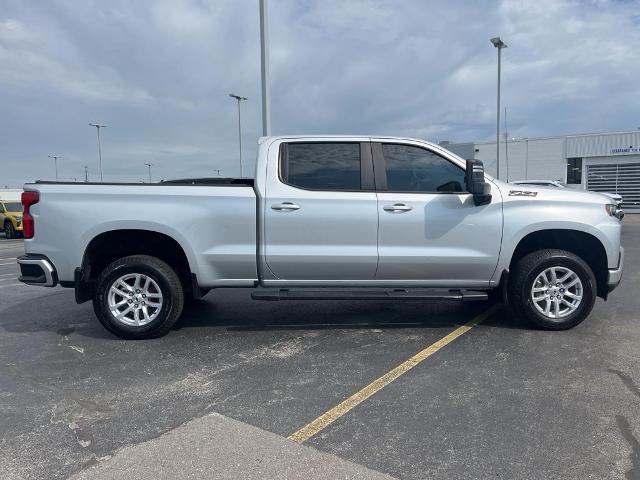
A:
138	297
554	289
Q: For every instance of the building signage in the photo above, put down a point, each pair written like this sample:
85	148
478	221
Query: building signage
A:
615	151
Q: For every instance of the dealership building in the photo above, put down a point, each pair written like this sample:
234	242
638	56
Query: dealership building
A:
602	162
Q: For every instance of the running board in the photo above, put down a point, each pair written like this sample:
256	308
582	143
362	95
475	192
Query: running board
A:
277	294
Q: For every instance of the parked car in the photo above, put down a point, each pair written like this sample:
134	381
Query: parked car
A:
11	218
556	184
326	218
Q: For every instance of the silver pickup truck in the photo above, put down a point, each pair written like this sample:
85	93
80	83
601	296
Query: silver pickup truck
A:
326	218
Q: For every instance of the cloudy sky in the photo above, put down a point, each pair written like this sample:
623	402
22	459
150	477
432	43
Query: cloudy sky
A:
158	73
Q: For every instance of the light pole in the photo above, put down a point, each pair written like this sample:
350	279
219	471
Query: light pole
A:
506	142
239	99
98	127
149	166
55	162
264	69
86	174
499	44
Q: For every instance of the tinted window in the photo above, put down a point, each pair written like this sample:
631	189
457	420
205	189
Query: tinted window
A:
14	207
574	171
322	166
414	169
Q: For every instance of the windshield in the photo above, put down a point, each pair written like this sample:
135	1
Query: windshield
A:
13	207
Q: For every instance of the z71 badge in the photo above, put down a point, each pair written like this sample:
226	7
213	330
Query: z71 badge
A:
522	193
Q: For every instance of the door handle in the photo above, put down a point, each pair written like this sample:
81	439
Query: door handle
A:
285	206
397	207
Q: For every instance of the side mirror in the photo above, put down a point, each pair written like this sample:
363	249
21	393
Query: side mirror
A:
476	185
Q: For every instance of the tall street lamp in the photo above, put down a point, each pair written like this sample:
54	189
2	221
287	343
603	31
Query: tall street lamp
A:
55	162
264	69
149	166
239	99
499	44
98	127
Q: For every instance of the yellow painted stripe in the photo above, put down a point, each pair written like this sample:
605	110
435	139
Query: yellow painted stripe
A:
324	420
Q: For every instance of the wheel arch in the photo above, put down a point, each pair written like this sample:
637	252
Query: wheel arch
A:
580	243
110	245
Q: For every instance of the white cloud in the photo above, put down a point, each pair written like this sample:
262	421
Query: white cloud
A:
159	73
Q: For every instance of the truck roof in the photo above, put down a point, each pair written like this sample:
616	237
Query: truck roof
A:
356	138
341	137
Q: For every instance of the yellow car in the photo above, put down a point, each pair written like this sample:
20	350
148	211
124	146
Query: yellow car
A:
11	218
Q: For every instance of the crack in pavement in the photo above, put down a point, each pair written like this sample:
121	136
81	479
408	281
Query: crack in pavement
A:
634	456
628	381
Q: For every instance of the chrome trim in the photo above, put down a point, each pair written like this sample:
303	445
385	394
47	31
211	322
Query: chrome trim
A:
46	267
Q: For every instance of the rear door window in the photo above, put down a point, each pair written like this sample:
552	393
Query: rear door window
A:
321	166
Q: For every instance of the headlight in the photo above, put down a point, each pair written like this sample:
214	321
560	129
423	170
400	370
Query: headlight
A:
613	210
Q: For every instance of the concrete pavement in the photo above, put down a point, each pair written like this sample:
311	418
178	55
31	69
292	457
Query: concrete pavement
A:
218	447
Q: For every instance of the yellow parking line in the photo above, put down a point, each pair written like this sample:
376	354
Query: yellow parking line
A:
324	420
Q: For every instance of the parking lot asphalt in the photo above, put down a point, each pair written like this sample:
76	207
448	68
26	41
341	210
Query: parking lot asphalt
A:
504	400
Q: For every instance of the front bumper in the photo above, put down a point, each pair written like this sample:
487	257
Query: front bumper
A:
615	274
37	270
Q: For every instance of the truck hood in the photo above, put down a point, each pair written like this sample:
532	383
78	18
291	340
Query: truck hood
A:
614	196
511	192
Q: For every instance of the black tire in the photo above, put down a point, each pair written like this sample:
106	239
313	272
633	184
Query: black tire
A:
529	267
170	287
9	231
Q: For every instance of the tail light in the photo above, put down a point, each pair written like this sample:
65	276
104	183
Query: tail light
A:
28	199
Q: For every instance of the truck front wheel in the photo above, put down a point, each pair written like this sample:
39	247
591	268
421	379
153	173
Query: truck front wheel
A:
554	289
138	297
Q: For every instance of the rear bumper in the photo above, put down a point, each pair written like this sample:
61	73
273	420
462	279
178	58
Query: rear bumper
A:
615	274
37	270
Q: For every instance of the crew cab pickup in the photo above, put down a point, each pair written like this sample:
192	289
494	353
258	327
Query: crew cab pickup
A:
326	218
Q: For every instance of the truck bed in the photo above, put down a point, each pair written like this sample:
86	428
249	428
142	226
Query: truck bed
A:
212	220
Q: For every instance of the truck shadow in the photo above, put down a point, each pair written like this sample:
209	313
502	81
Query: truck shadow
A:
58	313
341	315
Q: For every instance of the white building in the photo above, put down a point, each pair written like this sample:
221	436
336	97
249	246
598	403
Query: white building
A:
10	194
603	162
